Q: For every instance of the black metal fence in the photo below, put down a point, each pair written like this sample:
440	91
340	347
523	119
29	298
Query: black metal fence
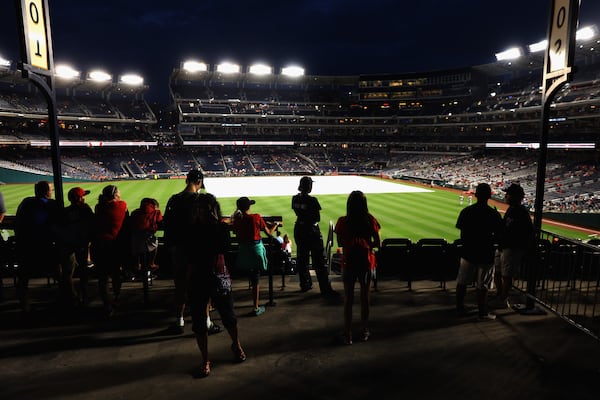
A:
565	278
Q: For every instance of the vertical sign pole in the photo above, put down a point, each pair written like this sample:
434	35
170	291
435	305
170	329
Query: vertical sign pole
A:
38	66
558	64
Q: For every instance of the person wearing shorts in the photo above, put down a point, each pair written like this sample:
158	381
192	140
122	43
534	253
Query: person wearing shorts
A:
358	233
178	231
252	256
480	227
209	278
517	242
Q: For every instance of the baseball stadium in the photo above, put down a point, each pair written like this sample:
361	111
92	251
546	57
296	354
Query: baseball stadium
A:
416	144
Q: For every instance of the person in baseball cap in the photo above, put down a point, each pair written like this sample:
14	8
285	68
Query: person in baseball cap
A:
75	234
76	193
252	254
244	203
305	184
517	245
309	240
195	176
515	190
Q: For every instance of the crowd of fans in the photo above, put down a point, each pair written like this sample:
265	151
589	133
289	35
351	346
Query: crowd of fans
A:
572	180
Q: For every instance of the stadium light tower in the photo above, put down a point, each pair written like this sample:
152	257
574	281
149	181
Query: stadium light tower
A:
99	76
586	33
66	72
292	71
193	66
4	64
132	80
510	54
539	46
228	68
260	69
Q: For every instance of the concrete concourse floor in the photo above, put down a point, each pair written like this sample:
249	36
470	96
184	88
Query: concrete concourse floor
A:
418	347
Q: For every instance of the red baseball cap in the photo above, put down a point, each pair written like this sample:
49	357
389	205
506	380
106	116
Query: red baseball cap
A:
77	192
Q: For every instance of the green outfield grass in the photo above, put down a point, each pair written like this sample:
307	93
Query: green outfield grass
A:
407	215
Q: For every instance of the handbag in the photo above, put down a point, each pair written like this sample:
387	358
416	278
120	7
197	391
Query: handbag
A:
221	275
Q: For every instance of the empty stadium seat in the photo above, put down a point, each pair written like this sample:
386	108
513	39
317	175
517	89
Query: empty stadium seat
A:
394	259
431	260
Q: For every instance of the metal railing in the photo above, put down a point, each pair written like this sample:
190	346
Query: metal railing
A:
565	278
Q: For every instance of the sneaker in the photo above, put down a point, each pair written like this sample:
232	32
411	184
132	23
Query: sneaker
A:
347	340
366	334
487	317
213	328
259	311
180	322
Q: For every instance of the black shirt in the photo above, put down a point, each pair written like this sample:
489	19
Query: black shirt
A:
307	209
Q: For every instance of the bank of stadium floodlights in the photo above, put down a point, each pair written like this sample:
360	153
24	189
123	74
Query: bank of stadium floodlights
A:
226	67
229	68
584	34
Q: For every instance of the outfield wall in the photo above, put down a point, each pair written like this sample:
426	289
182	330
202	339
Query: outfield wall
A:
586	220
8	175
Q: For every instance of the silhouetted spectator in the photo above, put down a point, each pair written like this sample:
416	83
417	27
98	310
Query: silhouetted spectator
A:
480	228
35	231
107	246
517	244
178	230
3	249
145	221
252	256
309	241
209	277
76	229
358	234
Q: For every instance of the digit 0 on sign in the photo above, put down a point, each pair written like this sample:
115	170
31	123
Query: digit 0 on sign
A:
558	36
35	31
560	21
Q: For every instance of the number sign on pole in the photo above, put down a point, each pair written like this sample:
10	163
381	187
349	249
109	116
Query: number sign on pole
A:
38	66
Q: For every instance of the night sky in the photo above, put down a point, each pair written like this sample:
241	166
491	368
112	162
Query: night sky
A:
326	37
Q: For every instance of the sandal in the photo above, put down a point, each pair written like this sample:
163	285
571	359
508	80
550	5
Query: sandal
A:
365	335
238	352
205	369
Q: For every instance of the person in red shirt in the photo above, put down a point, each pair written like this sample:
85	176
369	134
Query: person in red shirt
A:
107	250
145	221
252	256
358	234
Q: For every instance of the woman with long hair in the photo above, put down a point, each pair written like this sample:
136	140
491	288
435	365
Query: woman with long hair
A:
209	277
358	234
